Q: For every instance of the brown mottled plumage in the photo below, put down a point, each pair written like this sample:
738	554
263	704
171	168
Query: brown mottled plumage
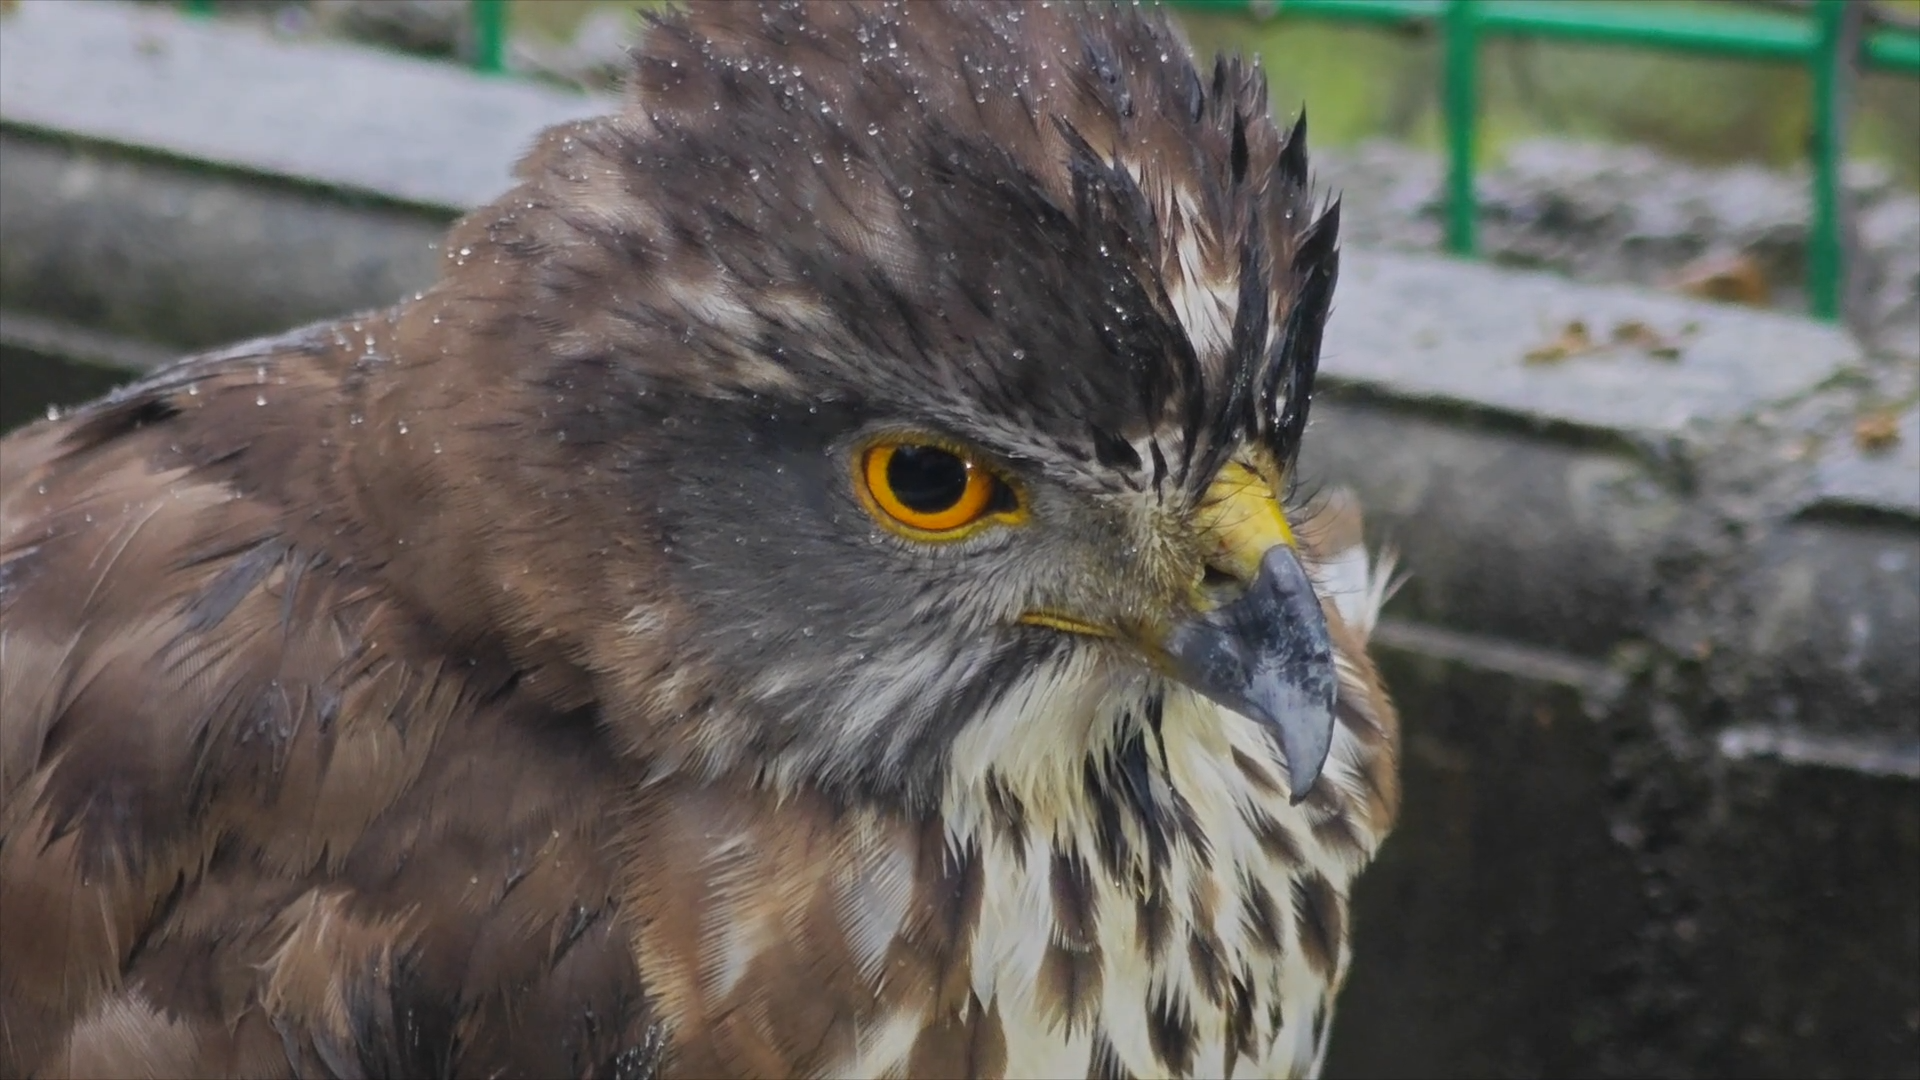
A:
517	681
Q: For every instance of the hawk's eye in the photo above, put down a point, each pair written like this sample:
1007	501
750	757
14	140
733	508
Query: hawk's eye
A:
931	492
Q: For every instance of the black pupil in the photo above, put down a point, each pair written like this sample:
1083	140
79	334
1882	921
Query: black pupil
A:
926	479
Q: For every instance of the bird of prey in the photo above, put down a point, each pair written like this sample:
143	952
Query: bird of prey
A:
814	589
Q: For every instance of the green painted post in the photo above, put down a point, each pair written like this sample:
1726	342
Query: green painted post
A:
1832	60
1894	50
489	35
200	9
1462	34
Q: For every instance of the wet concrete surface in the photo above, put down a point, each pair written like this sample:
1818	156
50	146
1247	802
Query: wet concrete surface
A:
115	243
1493	336
1625	215
1874	478
1575	891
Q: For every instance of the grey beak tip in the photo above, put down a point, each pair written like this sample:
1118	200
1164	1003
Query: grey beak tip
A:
1268	657
1303	776
1305	729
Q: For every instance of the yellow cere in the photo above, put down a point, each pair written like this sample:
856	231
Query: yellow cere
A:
1241	514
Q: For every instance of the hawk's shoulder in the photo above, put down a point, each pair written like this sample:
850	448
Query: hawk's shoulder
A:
259	816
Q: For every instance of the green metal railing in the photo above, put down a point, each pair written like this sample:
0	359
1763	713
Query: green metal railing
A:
1829	37
489	30
490	35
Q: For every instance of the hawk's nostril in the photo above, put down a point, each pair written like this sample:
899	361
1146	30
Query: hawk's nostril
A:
1220	580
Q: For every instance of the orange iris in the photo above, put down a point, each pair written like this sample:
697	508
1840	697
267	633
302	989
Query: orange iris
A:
930	489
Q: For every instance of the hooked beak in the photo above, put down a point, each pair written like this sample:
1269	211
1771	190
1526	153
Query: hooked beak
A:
1267	656
1264	653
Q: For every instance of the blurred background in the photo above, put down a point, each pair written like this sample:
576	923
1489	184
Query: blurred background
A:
1363	82
1659	648
1708	152
1675	168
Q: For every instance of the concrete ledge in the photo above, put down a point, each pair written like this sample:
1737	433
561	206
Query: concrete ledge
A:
230	96
1850	479
177	255
1416	329
1657	653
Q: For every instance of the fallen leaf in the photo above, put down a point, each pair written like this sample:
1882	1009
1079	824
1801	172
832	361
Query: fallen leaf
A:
1572	340
1876	431
1634	334
1736	278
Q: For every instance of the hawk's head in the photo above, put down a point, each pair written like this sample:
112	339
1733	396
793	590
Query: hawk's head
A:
933	374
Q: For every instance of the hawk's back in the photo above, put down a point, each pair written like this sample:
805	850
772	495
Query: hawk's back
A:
258	818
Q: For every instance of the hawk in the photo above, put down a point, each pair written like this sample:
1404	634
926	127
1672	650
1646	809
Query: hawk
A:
814	589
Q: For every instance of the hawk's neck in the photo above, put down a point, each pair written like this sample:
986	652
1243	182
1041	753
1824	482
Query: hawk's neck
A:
1151	906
